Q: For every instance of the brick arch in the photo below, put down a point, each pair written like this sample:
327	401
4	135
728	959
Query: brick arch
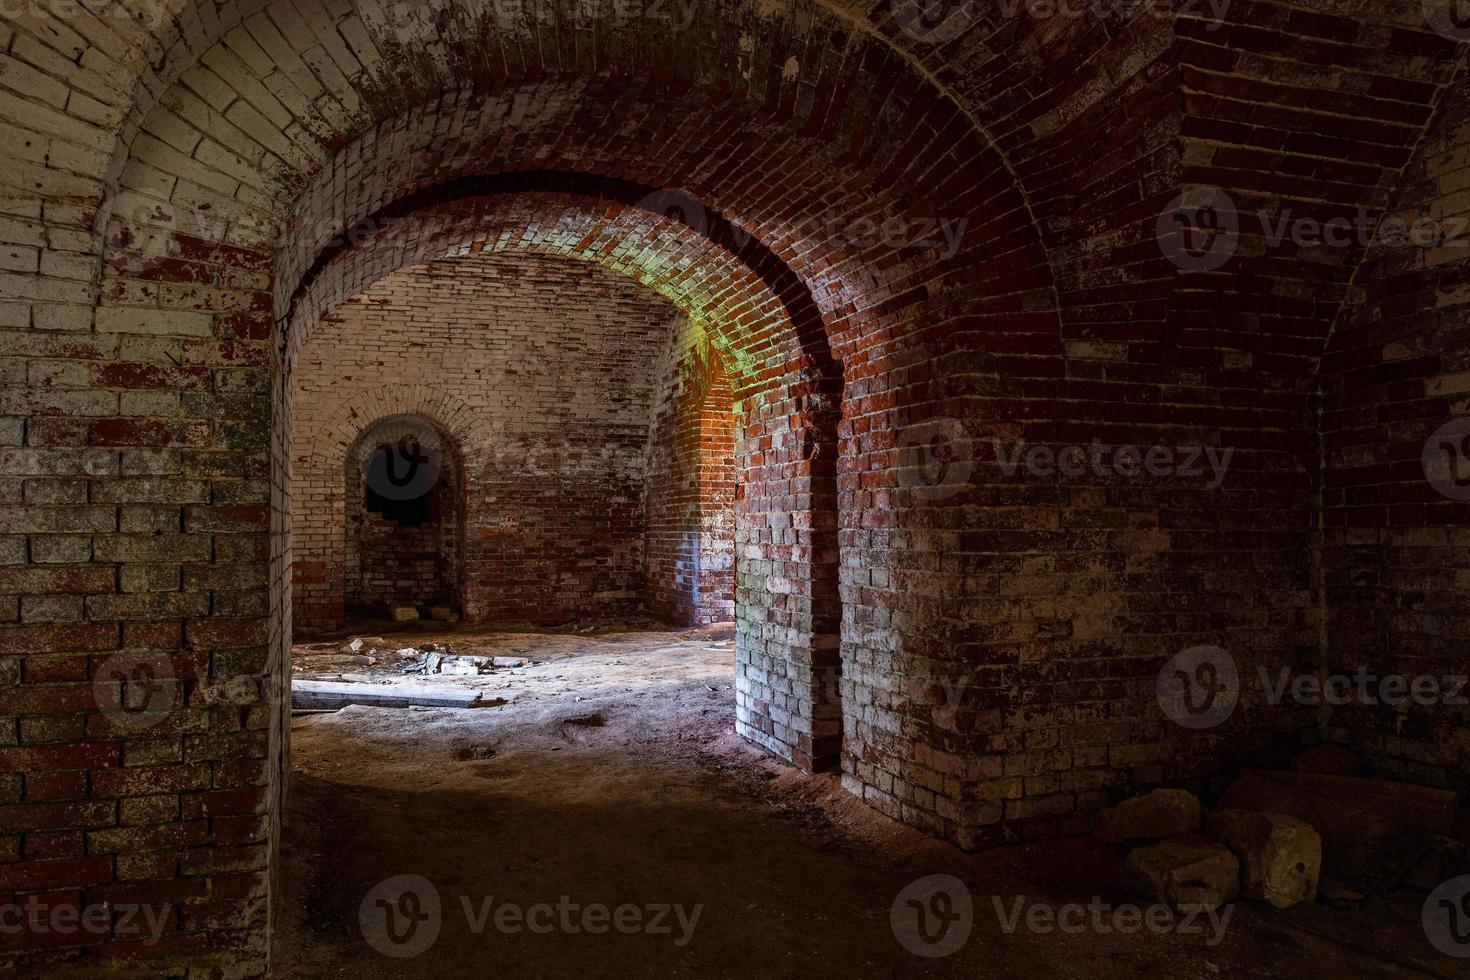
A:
754	308
1095	127
319	589
437	558
392	50
691	549
974	308
788	387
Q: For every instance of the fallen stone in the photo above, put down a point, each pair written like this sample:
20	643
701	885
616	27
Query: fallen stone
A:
1154	816
1331	760
1373	830
441	613
509	662
462	666
352	646
1335	894
364	661
407	653
1187	873
1280	856
403	614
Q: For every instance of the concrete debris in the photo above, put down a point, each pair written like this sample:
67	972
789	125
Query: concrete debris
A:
328	694
1186	872
1280	856
1154	816
402	614
443	660
1374	831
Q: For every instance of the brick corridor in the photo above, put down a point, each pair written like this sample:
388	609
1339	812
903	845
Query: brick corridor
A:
995	369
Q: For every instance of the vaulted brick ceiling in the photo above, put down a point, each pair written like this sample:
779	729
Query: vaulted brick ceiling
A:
1076	130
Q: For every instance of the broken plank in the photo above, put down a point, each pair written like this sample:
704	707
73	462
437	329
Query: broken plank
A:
332	694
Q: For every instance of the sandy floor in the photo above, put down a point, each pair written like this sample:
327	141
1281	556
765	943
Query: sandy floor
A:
611	777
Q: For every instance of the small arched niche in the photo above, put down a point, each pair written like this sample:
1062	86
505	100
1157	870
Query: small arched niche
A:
404	518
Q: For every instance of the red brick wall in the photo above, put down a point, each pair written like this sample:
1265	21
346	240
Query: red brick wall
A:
388	561
689	573
1396	552
173	190
545	371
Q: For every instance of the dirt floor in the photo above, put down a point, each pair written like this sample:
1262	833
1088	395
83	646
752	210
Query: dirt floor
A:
605	821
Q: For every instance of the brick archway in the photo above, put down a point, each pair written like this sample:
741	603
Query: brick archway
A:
174	183
785	392
404	498
320	592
